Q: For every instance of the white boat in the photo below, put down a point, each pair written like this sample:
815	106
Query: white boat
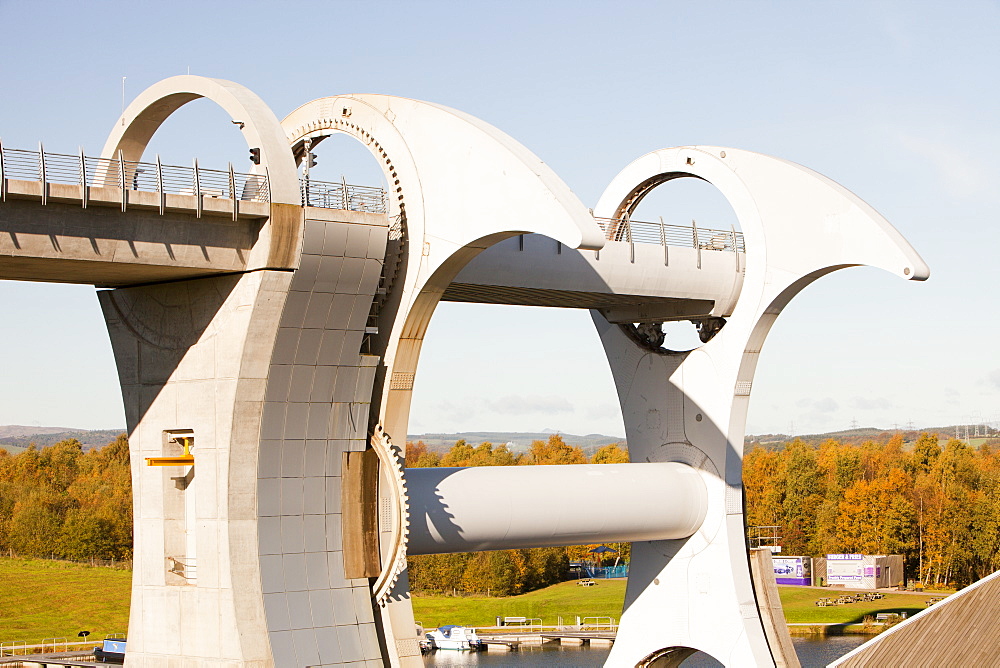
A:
455	637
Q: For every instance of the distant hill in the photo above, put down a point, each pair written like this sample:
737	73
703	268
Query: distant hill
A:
15	438
519	441
16	430
862	434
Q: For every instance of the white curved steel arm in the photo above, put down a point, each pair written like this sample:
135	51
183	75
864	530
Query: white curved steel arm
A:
795	220
473	180
143	117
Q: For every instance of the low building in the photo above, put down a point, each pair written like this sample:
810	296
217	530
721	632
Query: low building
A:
864	571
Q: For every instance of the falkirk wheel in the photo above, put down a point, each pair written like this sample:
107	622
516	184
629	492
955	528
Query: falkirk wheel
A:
289	385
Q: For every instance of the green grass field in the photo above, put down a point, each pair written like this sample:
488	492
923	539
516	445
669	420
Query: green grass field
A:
566	600
799	604
42	599
606	599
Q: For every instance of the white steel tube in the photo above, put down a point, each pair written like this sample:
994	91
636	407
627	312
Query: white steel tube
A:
509	507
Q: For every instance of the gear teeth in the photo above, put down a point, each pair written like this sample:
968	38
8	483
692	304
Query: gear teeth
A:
389	455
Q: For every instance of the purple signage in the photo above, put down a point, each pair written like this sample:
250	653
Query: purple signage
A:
792	570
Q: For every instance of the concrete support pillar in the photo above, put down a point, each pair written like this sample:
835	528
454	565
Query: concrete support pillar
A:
267	371
193	355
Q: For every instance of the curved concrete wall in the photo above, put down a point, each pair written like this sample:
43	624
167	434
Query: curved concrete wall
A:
316	406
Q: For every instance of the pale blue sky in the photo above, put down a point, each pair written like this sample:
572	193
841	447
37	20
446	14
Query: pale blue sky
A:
896	101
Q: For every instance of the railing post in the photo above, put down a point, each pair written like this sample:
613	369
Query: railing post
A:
159	185
3	176
631	242
736	249
121	179
694	236
232	193
84	193
663	242
267	182
42	175
343	192
197	190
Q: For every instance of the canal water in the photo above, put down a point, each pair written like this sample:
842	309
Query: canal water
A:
813	653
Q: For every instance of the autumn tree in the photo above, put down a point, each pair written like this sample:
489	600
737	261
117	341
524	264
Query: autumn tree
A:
612	453
554	451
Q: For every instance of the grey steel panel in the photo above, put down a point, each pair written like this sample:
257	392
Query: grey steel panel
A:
329	645
291	496
315	461
292	458
299	610
308	349
276	609
272	578
315	496
269	497
291	534
306	650
269	535
343	606
350	643
314	540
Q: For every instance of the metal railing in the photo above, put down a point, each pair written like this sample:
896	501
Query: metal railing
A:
329	195
47	646
82	170
619	571
640	231
599	624
155	177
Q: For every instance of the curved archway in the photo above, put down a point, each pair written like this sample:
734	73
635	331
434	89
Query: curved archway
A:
670	657
143	117
453	200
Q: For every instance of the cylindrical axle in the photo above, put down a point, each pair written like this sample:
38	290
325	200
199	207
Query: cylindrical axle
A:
508	507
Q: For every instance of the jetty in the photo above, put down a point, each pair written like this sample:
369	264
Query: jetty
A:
508	638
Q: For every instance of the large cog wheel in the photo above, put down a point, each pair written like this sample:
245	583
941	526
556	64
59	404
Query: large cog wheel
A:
394	515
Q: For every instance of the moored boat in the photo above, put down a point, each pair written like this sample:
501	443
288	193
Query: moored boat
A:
453	636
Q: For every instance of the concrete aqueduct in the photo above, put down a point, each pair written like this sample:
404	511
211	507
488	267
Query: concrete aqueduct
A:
276	332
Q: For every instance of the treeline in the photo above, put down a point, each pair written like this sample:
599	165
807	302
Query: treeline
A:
496	573
505	572
937	506
62	502
552	451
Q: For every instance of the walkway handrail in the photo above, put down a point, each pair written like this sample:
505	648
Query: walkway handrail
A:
81	170
599	623
332	195
155	177
641	231
22	648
